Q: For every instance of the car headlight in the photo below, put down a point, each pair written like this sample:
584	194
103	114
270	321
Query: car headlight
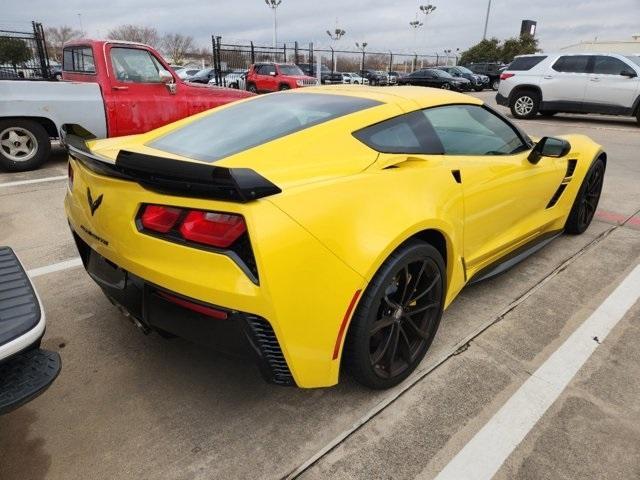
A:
299	83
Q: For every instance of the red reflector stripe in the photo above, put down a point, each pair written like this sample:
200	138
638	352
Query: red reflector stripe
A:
196	307
343	325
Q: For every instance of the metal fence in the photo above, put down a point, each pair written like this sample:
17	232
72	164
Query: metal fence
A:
234	57
24	54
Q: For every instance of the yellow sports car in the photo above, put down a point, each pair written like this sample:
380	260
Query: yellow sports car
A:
325	227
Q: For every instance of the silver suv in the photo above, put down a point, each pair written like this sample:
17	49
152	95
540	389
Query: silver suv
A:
605	83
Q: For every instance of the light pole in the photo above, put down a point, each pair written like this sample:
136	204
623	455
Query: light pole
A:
336	35
486	21
80	20
273	5
361	47
415	25
426	10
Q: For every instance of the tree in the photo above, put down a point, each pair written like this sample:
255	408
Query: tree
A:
135	33
177	46
14	51
485	51
56	37
493	51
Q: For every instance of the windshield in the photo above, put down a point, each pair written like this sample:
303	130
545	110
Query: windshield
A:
290	70
635	59
464	70
251	123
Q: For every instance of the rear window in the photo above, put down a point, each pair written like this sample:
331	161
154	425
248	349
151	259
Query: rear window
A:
525	63
248	124
572	64
78	59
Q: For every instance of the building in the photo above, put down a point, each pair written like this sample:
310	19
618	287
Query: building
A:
607	46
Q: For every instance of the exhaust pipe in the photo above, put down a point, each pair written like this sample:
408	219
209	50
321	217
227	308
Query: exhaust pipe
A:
141	326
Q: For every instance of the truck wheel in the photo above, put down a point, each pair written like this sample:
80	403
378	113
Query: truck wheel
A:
525	104
24	145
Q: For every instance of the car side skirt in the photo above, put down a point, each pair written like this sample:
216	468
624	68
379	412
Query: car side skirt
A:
515	257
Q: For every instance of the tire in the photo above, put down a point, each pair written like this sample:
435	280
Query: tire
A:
252	88
586	201
400	339
478	89
24	145
495	85
234	86
284	86
525	104
547	113
638	117
445	86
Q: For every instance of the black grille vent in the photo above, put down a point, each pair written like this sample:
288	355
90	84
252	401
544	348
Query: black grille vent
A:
557	195
571	167
269	348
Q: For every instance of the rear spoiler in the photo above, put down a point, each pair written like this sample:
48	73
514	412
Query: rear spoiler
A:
170	176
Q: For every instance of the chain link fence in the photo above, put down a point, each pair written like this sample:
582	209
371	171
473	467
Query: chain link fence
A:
23	55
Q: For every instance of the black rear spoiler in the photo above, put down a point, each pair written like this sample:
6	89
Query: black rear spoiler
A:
170	176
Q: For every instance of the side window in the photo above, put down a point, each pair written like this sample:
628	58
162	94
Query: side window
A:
604	65
267	69
525	63
78	59
473	130
572	64
135	65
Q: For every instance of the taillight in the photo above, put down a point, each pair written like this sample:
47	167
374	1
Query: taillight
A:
211	228
70	174
504	76
160	218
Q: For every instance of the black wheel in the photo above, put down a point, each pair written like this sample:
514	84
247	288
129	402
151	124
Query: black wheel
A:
234	85
284	86
525	104
252	88
397	317
638	117
495	85
445	86
547	113
586	202
24	145
478	89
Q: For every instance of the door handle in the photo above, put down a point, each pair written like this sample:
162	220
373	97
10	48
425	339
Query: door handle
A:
118	87
595	79
548	77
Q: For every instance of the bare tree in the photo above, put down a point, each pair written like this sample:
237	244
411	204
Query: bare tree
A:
177	46
56	37
135	33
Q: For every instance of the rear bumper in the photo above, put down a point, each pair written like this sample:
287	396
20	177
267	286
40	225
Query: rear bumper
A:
153	308
502	100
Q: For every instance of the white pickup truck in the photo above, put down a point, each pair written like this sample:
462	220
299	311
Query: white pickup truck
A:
110	88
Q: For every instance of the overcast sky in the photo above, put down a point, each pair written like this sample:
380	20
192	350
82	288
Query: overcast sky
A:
383	24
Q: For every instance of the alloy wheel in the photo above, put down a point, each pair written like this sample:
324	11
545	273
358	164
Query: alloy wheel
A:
591	195
524	105
18	144
406	318
446	86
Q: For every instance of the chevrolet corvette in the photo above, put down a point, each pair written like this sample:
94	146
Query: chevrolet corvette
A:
325	229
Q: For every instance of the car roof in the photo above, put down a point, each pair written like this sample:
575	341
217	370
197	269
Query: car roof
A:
399	95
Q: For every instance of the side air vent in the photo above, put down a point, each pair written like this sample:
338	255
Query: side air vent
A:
265	341
571	167
557	195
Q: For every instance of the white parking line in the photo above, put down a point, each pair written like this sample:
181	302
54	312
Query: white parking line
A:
36	180
55	267
485	453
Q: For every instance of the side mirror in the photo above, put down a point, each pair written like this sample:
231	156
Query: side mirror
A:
627	72
165	76
549	147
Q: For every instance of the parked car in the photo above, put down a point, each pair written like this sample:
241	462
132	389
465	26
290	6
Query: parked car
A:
236	79
202	76
432	77
257	235
112	88
271	77
8	73
374	77
26	370
354	78
186	72
393	77
606	83
478	82
326	75
490	69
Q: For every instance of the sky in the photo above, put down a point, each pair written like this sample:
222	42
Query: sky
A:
383	24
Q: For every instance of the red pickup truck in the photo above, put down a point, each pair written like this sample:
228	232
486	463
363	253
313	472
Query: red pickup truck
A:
110	88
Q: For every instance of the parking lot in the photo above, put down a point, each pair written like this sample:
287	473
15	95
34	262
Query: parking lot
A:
133	406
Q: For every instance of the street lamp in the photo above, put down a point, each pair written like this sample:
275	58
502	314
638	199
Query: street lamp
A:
335	35
486	21
415	25
361	47
273	5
